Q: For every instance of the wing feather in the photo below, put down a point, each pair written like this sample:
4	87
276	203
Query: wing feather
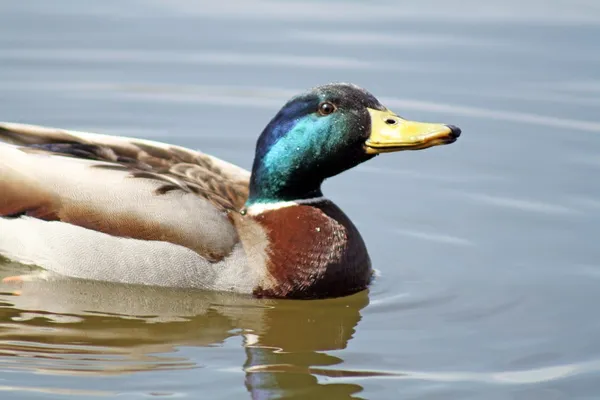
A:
222	183
122	186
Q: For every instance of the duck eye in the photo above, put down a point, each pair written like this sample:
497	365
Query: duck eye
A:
326	108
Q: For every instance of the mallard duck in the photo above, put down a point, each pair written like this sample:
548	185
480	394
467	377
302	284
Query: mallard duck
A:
136	211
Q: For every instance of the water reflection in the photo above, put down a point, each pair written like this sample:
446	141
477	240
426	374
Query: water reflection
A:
81	327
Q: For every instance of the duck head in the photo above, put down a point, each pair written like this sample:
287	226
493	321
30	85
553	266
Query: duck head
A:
325	131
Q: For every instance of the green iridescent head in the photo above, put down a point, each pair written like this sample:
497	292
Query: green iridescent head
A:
325	131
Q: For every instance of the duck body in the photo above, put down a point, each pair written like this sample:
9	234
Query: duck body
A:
135	211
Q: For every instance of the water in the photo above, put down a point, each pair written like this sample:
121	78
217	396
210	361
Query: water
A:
487	249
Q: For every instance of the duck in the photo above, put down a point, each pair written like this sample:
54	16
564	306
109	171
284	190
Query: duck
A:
109	208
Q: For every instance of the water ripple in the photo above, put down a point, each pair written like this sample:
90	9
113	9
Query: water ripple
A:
57	391
473	11
521	377
110	56
522	204
435	237
362	38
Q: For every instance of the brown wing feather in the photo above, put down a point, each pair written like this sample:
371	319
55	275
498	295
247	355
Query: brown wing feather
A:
22	196
223	184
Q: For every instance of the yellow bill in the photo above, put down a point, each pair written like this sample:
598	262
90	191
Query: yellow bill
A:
389	133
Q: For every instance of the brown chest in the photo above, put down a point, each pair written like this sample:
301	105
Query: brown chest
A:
312	251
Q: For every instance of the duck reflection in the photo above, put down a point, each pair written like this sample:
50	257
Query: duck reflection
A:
85	327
